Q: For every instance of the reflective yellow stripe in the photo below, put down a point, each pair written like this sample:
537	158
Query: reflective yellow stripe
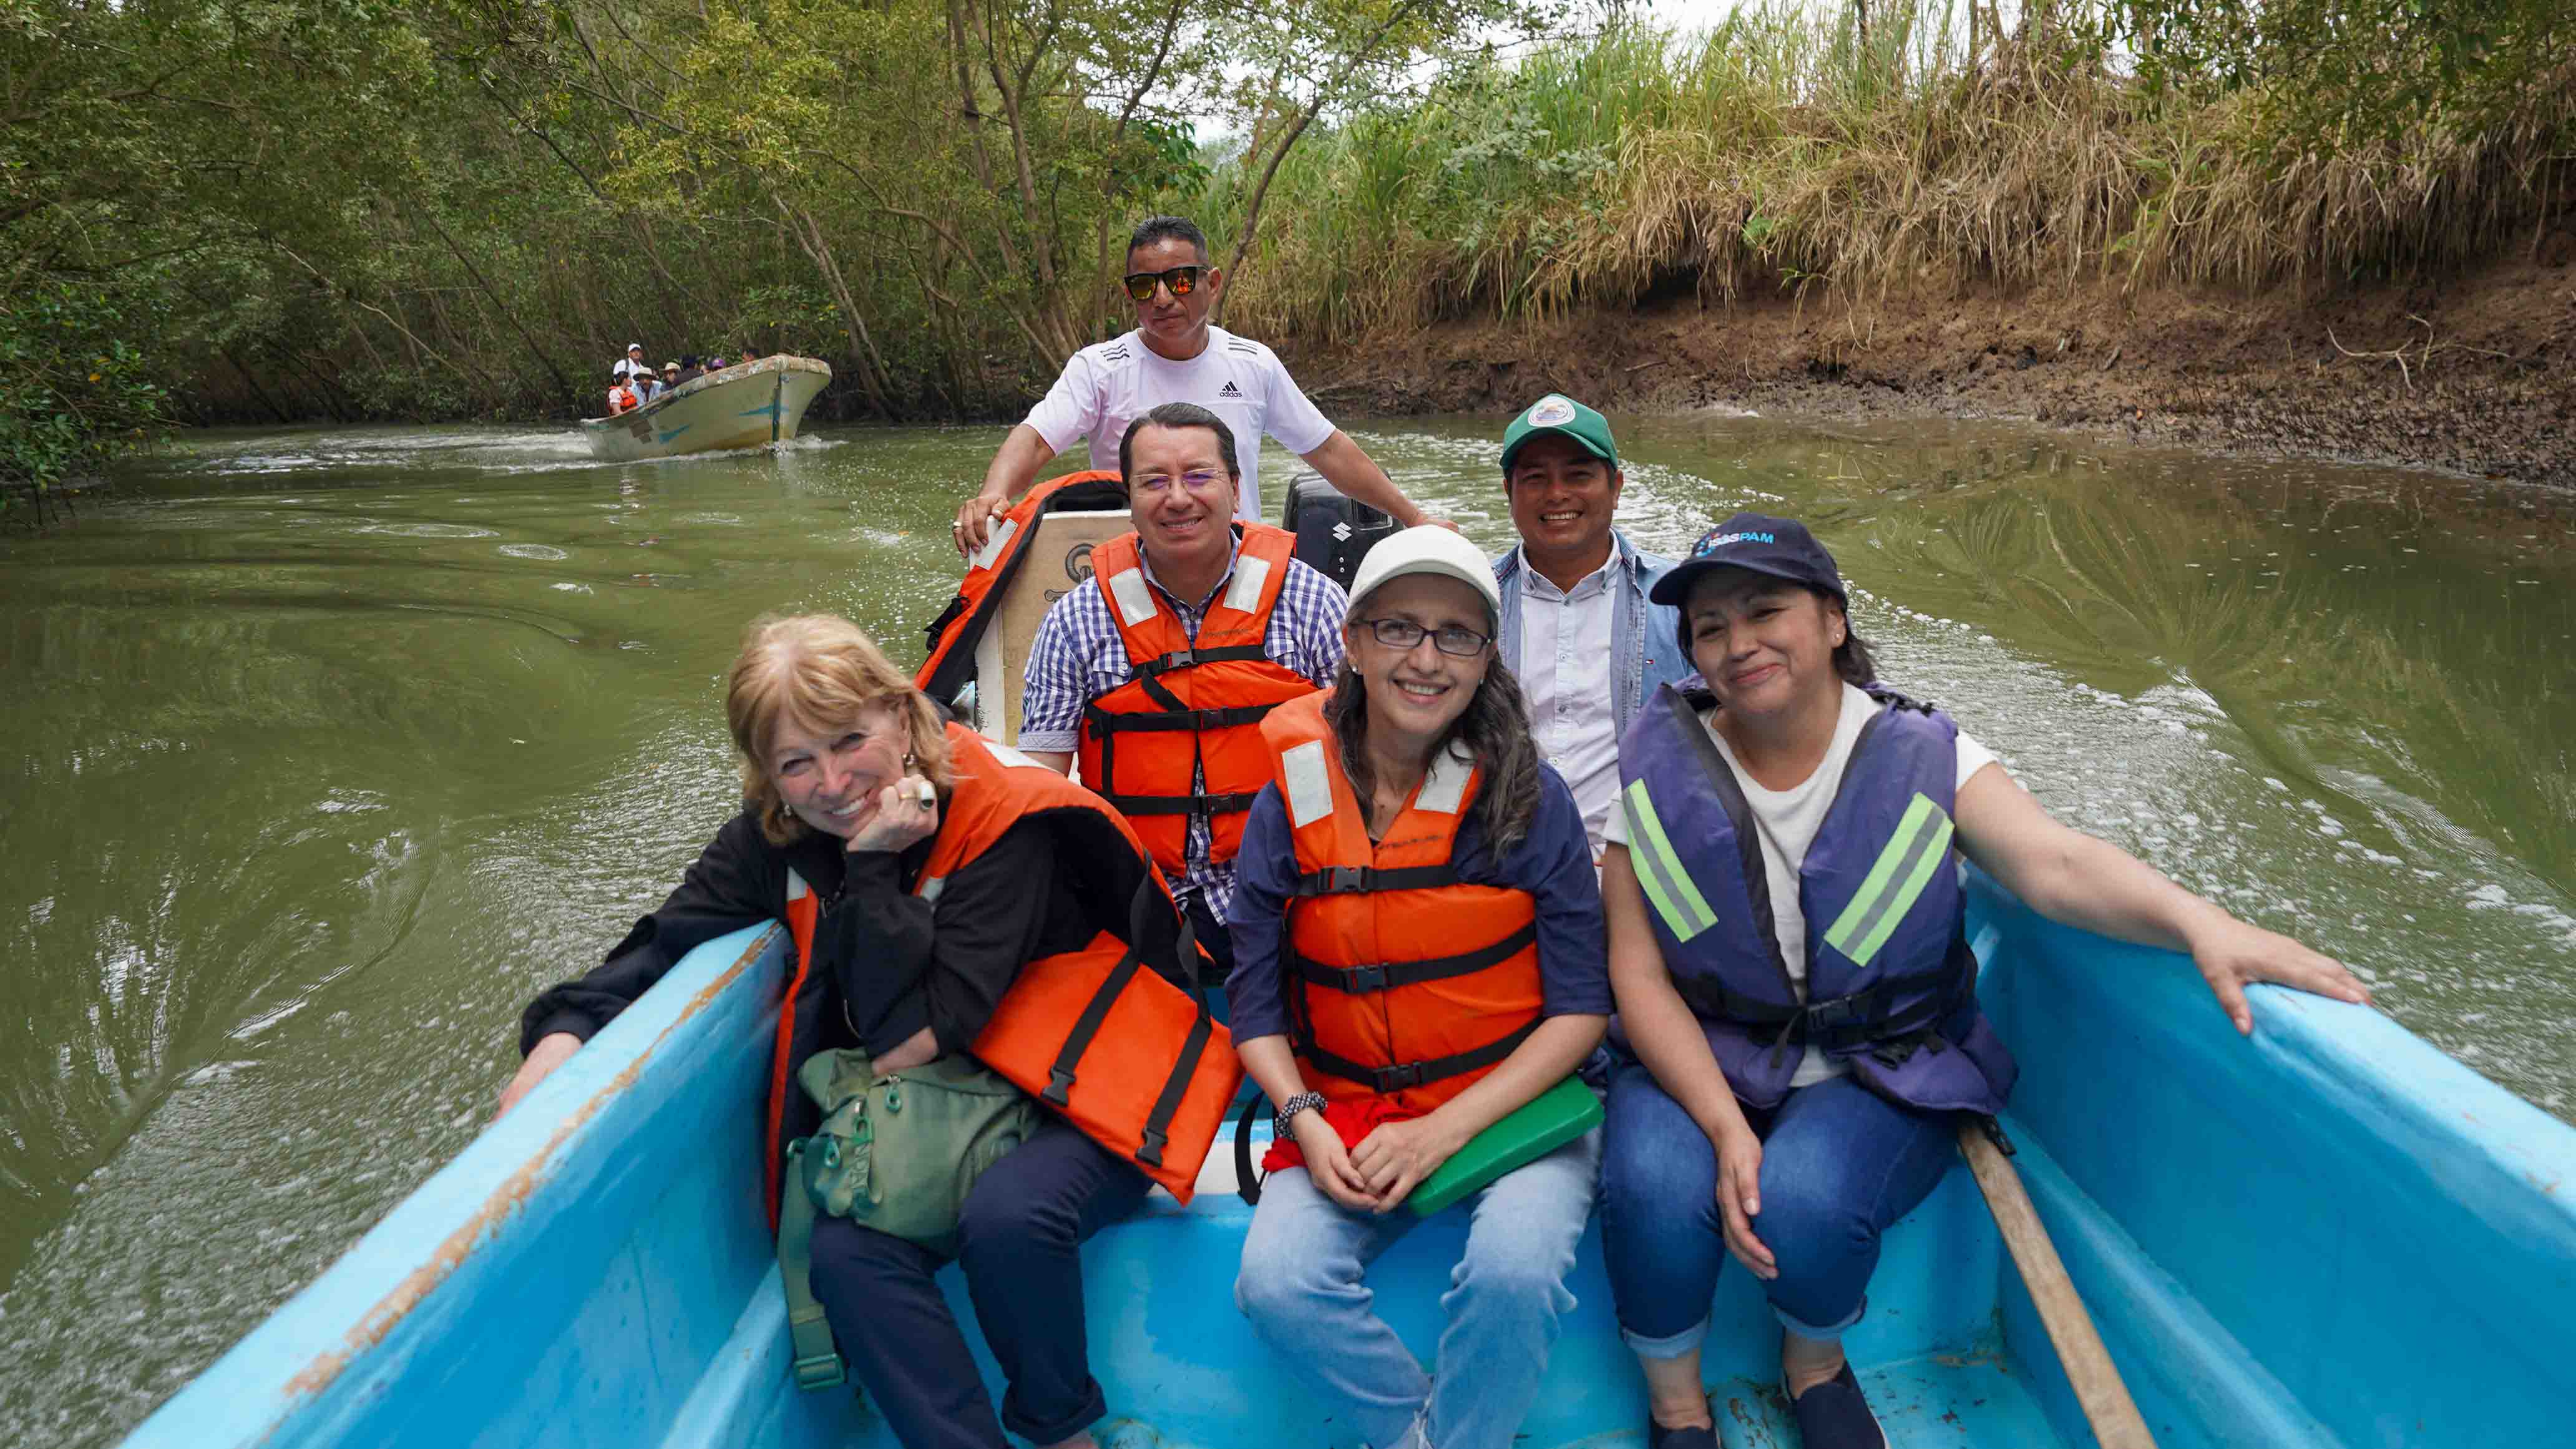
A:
1659	870
1896	880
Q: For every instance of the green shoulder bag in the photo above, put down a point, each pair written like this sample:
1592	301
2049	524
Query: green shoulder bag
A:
895	1153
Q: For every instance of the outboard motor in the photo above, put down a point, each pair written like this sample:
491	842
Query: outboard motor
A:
1334	531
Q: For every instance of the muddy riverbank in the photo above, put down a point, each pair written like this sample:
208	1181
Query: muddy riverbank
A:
2473	374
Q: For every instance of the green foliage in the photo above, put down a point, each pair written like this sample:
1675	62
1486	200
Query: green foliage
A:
286	209
2372	68
1784	151
74	389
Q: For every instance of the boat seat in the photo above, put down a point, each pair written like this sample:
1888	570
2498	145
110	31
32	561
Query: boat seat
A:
1190	1370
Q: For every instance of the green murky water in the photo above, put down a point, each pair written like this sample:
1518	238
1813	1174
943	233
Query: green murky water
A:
324	750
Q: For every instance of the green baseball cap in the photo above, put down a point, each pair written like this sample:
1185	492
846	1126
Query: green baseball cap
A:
1556	413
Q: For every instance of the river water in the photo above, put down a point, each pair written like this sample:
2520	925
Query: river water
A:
324	750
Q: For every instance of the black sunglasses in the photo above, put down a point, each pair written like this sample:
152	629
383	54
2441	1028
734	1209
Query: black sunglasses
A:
1182	281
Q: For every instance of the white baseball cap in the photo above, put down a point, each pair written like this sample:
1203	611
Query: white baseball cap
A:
1428	549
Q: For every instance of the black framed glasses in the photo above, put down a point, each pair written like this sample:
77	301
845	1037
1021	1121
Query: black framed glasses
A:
1182	281
1404	634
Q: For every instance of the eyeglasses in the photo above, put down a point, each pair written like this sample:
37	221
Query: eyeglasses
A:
1403	634
1195	481
1182	281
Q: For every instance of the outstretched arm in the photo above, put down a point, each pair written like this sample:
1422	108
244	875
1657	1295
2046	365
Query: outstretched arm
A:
2072	877
1015	466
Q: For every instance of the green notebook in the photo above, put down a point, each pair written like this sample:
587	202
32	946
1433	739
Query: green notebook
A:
1543	1124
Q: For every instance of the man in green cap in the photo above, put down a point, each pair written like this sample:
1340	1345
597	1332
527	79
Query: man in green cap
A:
1577	629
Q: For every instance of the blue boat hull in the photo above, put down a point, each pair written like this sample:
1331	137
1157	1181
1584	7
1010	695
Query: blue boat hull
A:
2330	1235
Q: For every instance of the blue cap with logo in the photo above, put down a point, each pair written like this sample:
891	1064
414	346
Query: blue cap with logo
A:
1759	543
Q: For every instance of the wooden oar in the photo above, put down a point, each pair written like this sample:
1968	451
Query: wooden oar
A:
2105	1399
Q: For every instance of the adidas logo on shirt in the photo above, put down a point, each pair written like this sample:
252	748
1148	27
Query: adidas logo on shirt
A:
1229	390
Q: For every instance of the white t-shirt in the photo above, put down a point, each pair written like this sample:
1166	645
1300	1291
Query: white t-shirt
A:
1108	385
626	365
1564	670
1787	821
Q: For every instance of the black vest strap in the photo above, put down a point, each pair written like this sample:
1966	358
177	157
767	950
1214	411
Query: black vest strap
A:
1105	722
1413	1074
1180	804
1190	658
1087	1026
1846	1023
1158	1123
1388	975
1348	879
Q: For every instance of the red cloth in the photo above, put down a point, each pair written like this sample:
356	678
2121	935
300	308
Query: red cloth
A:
1352	1120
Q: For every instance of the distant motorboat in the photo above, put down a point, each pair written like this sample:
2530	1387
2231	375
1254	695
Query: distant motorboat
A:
744	406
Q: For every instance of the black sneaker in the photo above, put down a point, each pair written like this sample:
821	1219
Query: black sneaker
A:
1833	1415
1659	1437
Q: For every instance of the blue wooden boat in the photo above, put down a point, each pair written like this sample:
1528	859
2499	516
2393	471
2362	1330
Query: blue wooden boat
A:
2331	1234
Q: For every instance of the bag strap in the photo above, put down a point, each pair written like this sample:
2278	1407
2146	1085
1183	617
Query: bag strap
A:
818	1358
1246	1185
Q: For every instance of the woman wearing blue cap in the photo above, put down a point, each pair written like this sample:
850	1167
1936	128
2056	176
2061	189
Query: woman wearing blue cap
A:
1798	1021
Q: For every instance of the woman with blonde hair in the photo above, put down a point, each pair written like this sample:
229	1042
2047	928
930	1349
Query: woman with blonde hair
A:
923	871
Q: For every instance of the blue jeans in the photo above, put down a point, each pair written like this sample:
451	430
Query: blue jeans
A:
1839	1164
1302	1265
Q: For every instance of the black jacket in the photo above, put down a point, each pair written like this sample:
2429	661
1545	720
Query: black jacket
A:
886	962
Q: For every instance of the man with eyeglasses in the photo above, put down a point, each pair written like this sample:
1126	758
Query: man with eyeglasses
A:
1158	669
1176	355
1577	629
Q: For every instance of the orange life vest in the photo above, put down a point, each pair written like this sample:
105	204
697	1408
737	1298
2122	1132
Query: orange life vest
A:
1194	709
1405	983
1131	1060
954	634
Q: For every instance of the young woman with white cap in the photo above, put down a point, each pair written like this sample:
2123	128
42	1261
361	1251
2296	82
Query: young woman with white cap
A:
1418	953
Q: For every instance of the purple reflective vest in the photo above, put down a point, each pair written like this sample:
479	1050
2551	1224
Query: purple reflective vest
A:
1891	984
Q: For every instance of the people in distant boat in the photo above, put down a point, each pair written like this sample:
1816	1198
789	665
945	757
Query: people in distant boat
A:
646	383
925	877
1175	355
1157	670
1798	1022
1578	630
1418	953
670	375
691	369
621	395
633	361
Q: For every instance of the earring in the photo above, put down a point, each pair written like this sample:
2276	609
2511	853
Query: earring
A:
907	762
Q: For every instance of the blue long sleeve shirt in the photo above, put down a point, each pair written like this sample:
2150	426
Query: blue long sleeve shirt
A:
1553	863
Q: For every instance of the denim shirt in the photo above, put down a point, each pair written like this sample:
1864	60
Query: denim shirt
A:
1646	635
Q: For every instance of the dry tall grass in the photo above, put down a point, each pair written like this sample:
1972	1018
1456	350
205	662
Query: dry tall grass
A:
1777	152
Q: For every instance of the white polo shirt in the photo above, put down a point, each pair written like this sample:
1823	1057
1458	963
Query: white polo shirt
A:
1107	386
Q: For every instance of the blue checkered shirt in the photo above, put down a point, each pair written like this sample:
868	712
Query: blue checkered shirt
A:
1078	657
